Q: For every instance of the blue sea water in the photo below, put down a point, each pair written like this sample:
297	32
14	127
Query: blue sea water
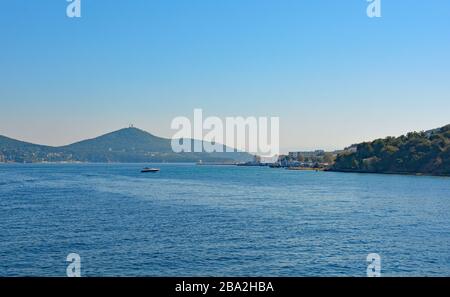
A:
190	220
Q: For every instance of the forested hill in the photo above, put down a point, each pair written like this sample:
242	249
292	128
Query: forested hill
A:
125	145
414	153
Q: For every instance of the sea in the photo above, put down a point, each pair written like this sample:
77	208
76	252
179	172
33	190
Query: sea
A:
190	220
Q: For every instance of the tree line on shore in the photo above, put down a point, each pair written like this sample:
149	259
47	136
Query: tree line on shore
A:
414	153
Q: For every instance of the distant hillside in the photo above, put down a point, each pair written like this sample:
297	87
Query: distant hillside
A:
20	151
125	145
415	153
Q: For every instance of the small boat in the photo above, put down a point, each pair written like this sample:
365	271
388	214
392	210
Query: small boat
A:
146	169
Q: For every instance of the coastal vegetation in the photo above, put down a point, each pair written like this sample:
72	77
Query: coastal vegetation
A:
414	153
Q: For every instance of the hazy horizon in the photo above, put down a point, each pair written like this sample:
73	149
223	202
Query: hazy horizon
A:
283	150
334	76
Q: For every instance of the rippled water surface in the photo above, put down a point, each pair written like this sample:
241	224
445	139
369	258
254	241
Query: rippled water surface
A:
192	220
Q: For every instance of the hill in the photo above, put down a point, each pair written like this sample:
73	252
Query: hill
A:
20	151
125	145
415	153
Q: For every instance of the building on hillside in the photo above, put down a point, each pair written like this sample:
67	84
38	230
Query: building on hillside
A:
309	154
351	149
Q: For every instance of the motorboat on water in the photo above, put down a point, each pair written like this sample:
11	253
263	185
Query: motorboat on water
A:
146	169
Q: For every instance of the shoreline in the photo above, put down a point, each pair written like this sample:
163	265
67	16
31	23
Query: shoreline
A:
388	172
305	169
232	165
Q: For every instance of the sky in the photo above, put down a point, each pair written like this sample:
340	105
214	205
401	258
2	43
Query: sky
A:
331	74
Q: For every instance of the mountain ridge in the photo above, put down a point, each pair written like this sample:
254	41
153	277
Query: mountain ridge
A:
123	145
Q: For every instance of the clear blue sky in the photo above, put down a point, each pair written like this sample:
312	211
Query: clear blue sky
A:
332	75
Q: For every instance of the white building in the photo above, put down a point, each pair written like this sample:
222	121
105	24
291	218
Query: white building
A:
310	154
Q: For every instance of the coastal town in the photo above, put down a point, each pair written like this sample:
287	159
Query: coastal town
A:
296	160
